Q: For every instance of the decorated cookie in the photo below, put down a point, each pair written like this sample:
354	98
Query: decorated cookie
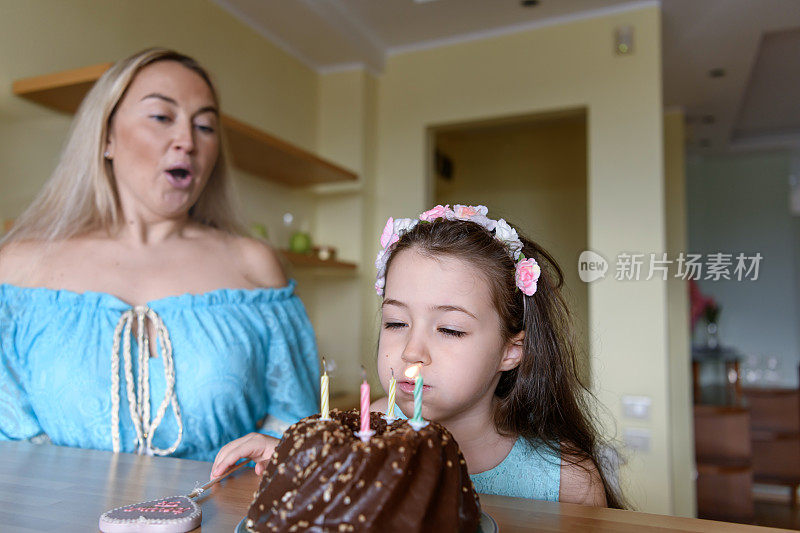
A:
167	515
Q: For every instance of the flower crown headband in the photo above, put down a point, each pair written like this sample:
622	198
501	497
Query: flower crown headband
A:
527	269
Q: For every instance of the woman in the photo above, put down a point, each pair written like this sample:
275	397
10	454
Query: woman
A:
134	314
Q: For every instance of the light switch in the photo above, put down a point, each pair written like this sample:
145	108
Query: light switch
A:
636	439
636	407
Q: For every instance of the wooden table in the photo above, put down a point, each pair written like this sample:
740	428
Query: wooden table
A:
50	488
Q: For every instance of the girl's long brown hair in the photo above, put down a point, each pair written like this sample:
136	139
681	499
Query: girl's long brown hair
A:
542	399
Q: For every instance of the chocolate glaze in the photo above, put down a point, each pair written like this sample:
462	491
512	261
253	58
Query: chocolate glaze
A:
323	478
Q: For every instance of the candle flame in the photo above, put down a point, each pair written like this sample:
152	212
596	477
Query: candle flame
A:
412	372
363	373
324	367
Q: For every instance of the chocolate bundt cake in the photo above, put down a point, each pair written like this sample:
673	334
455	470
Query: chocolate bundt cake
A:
322	477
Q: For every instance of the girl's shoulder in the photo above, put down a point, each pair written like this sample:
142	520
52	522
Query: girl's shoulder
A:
530	470
381	405
580	481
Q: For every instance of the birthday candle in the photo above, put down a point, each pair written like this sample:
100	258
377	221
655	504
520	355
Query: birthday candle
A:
323	382
364	403
413	372
392	393
418	398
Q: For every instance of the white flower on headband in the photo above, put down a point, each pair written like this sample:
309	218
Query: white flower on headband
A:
508	235
402	225
527	270
380	263
394	228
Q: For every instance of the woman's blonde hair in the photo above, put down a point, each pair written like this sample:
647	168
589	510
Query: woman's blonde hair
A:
81	194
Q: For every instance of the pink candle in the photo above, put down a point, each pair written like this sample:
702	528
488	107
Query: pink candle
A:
364	403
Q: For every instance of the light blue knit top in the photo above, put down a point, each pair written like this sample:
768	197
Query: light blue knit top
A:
528	471
239	355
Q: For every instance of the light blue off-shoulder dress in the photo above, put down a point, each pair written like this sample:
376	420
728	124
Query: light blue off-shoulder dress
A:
239	358
528	471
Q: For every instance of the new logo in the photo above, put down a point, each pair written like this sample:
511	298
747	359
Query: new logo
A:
591	266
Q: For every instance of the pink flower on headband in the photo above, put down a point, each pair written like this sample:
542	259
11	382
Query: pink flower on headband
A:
391	234
527	275
475	213
389	237
465	212
437	212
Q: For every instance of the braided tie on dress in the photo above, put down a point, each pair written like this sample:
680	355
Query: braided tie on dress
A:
139	401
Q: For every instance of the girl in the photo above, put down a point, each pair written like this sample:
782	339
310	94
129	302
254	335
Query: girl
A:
466	300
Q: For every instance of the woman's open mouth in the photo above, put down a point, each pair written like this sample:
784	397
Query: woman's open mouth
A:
179	177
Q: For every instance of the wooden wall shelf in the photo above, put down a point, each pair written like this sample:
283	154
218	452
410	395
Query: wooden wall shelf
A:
312	261
251	149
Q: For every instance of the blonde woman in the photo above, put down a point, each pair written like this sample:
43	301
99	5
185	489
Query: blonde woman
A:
134	314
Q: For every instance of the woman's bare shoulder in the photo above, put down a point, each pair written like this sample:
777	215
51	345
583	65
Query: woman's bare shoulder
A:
258	261
580	481
18	258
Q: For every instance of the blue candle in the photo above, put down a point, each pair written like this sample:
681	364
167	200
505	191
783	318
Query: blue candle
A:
418	399
413	372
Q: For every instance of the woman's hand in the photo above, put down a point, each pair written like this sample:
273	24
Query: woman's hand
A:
253	446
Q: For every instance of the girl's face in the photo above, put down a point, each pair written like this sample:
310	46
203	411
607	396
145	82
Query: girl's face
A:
163	140
438	313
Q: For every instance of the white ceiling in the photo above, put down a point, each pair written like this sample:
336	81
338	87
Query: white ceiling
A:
703	35
698	35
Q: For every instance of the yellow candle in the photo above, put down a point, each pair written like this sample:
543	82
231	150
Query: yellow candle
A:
392	392
323	382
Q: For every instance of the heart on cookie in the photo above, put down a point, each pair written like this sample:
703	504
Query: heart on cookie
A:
166	515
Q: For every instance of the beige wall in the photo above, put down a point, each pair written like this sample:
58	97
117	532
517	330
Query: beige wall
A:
258	83
560	67
532	173
345	116
681	419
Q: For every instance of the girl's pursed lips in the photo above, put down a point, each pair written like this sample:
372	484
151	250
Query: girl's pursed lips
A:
407	386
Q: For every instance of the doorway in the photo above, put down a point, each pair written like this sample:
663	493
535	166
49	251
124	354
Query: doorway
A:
532	171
